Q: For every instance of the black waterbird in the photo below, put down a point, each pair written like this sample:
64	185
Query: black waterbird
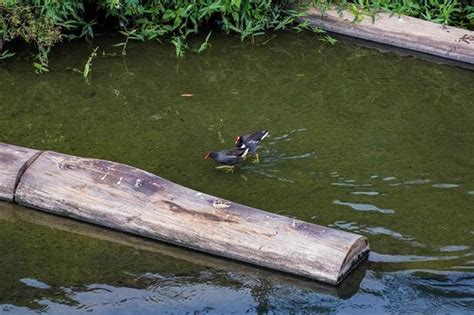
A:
228	158
251	141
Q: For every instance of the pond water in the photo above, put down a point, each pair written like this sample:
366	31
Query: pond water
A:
362	141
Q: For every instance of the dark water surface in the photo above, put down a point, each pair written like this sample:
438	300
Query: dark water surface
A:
373	143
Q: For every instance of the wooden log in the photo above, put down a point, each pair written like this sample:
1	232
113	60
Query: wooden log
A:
13	161
131	200
399	30
245	273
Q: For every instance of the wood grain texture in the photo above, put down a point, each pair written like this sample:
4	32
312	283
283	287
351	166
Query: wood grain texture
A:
131	200
13	160
401	31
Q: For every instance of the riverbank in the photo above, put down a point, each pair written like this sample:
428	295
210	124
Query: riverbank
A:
399	31
44	25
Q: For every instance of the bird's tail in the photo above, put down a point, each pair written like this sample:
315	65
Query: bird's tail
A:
244	153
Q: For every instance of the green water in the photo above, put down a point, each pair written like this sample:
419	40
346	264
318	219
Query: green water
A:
363	141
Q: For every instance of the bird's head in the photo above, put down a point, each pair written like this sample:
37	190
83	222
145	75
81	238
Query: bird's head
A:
239	141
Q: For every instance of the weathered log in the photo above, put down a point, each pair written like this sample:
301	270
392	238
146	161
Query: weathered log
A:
399	30
13	161
245	273
131	200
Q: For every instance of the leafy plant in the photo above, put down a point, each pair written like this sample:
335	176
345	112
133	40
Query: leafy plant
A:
88	65
329	39
6	54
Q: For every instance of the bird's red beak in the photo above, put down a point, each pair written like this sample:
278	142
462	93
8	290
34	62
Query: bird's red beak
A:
237	139
208	155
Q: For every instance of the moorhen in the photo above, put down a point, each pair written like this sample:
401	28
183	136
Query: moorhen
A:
229	158
251	141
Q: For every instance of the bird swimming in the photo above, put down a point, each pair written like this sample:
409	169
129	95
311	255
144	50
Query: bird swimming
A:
228	158
251	141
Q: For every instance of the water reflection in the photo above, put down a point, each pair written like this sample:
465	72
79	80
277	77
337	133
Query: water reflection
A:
445	185
366	193
205	281
379	293
363	207
375	230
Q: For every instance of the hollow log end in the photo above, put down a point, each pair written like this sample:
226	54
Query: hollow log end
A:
356	254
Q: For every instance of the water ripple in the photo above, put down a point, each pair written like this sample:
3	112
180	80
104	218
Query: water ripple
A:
375	230
363	207
417	182
384	258
351	185
454	248
445	185
366	193
35	283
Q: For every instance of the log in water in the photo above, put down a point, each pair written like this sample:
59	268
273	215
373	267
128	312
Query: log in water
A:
239	274
135	201
398	30
13	162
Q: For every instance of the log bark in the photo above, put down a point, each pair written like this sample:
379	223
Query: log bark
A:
13	161
399	30
135	201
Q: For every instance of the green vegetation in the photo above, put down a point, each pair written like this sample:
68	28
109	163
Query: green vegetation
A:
459	13
43	23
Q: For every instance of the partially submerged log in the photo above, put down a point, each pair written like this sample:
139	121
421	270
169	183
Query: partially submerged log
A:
132	200
239	272
400	31
13	162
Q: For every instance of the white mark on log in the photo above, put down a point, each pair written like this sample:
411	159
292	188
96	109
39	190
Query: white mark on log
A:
105	175
120	181
138	183
61	165
220	204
